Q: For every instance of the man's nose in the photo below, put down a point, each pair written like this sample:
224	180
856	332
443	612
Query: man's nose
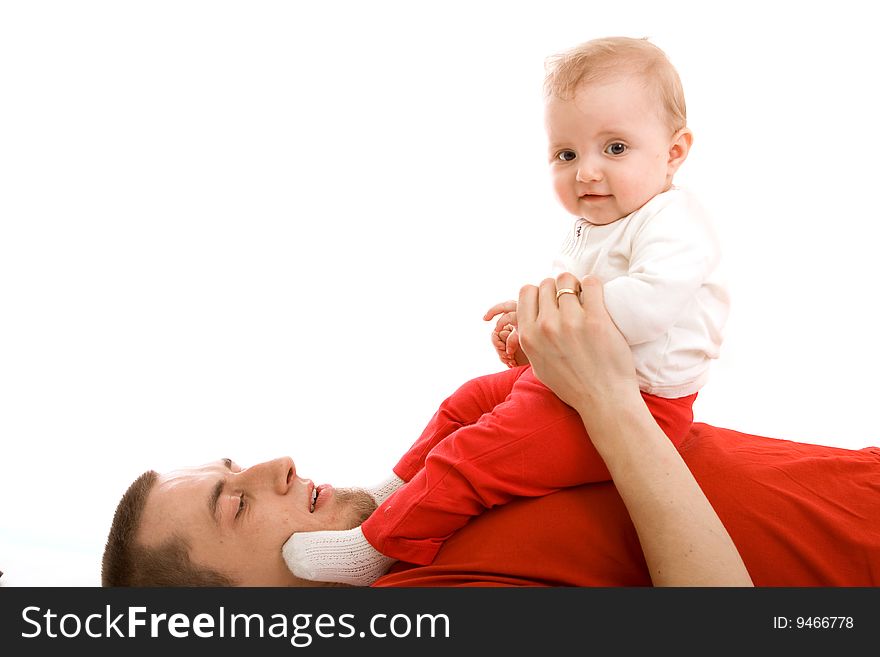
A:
276	474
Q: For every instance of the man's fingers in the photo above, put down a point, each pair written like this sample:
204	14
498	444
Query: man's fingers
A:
567	286
568	281
592	295
527	306
547	295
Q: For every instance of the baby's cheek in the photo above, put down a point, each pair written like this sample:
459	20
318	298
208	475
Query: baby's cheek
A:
562	189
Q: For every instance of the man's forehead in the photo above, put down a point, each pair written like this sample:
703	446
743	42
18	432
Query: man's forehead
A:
191	475
177	498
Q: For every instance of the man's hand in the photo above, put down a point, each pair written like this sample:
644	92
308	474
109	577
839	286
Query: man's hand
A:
505	338
577	351
572	343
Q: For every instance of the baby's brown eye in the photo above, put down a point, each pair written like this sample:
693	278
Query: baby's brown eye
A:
616	148
566	156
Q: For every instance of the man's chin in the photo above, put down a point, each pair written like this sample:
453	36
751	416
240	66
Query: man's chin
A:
358	505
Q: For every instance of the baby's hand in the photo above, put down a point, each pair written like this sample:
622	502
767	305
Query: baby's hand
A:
505	338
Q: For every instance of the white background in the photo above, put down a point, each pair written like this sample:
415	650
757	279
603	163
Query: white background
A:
266	228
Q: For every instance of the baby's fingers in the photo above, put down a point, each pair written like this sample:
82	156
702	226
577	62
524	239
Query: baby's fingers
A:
498	308
512	344
506	320
498	341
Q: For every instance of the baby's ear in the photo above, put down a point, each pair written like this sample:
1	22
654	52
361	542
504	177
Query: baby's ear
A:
679	149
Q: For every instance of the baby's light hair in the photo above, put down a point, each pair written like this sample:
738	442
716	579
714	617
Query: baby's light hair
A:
601	60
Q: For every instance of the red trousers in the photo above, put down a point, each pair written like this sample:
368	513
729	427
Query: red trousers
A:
497	437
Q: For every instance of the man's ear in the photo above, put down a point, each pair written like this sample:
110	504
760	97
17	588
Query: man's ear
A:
679	149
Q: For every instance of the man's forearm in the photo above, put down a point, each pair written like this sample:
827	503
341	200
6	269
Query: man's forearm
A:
682	538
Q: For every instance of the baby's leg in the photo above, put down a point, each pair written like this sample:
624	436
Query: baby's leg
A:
529	445
462	408
347	556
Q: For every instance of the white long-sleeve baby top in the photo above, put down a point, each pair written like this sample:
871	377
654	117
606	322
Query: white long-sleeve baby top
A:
663	285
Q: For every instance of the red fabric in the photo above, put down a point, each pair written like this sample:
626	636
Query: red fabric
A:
800	515
498	437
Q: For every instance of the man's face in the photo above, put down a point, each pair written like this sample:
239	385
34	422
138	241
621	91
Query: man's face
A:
609	149
237	520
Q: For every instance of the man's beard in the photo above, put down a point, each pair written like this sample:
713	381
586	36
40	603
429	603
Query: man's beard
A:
358	504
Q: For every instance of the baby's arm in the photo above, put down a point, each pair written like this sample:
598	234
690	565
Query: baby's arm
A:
673	254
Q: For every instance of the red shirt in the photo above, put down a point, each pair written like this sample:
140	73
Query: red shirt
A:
800	515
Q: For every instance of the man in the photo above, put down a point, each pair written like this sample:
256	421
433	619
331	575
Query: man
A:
800	515
218	525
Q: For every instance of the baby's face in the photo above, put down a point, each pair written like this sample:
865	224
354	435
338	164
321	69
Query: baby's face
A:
610	149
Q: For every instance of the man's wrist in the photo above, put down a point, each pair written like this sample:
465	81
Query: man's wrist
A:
613	410
609	401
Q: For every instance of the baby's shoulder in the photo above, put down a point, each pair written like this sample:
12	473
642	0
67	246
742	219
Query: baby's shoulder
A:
678	198
675	206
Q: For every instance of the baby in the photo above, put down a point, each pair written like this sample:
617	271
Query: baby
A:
616	125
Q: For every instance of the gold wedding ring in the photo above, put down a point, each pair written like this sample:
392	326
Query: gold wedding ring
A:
565	290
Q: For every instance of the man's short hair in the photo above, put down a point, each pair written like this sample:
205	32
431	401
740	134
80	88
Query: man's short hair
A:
602	60
127	562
